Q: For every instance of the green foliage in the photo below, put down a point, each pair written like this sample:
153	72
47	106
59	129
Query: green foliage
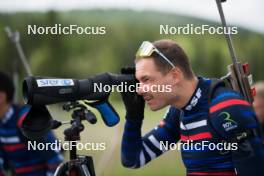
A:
83	55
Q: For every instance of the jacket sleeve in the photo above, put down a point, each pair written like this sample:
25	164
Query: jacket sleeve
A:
136	151
234	120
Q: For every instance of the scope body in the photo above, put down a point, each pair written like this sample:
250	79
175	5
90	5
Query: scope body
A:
46	90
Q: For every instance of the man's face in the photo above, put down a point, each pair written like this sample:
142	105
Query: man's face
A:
149	76
3	102
258	105
2	98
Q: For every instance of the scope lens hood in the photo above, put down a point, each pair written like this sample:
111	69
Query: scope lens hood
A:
36	123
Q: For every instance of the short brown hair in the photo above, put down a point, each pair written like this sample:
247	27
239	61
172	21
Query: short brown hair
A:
175	54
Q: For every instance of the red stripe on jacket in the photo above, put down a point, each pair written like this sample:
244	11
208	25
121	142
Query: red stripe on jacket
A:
13	147
204	135
27	169
226	173
228	103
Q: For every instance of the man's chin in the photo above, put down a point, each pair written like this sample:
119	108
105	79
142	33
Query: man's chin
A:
155	108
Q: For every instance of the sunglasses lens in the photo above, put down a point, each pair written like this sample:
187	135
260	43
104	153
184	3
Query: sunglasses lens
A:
145	50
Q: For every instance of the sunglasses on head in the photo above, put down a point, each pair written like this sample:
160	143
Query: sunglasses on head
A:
146	49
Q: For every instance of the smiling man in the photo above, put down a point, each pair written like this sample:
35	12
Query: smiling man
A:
198	113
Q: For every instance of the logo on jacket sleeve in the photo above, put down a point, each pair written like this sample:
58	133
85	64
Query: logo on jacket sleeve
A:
229	123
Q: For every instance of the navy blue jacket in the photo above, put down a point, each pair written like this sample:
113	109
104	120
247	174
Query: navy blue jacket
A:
14	148
201	121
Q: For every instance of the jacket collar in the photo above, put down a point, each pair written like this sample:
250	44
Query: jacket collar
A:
198	96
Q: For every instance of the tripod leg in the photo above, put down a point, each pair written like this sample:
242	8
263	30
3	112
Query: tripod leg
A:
62	169
85	167
89	164
80	170
85	170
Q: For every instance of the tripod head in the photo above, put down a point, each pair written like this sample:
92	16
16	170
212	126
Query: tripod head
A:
80	113
78	165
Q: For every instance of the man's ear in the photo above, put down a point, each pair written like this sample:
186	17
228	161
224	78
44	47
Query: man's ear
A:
177	75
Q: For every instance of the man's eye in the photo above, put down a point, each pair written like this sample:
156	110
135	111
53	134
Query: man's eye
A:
145	80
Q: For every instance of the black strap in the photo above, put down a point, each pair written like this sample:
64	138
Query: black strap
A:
216	83
241	136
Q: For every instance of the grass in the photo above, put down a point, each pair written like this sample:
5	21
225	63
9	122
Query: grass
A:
108	162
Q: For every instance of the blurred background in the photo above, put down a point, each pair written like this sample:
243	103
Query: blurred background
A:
128	23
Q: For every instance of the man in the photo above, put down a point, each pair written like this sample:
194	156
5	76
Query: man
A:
14	153
259	102
198	114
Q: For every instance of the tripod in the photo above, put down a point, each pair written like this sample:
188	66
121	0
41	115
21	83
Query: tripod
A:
77	165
